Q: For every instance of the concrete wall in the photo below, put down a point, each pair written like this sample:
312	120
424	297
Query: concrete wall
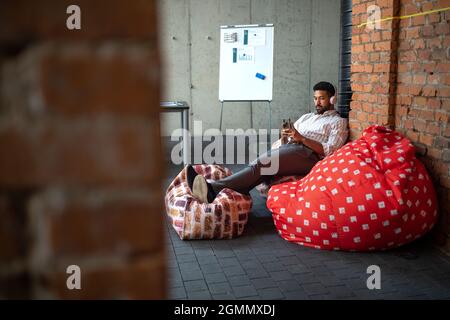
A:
306	50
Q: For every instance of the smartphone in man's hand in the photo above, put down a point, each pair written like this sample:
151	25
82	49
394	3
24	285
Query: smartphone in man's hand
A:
286	125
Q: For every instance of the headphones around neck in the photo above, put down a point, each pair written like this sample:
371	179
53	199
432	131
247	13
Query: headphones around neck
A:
333	99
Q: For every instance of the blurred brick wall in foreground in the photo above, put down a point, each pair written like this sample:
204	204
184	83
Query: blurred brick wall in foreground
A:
80	152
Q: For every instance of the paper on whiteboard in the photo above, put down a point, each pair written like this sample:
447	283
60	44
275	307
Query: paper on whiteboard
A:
230	37
257	37
246	55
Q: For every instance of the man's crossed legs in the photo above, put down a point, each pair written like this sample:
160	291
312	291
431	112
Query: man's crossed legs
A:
289	159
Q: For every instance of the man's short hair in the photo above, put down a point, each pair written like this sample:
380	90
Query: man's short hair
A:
325	86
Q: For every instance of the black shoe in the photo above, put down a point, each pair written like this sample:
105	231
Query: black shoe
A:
203	190
190	175
200	189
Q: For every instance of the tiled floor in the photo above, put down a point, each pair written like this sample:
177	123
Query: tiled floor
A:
261	265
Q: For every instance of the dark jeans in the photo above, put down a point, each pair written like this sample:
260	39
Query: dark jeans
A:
293	159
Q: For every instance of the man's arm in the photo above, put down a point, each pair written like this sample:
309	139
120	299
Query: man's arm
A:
312	144
337	138
298	138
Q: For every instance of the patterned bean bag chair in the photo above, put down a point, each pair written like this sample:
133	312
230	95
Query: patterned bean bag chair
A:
225	217
371	194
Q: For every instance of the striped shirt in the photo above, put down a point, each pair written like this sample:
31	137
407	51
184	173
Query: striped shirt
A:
328	128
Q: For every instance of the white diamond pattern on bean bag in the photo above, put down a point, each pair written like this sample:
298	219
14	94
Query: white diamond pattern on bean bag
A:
225	217
263	188
371	194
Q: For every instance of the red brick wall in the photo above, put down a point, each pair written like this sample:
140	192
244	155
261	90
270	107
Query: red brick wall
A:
400	78
81	161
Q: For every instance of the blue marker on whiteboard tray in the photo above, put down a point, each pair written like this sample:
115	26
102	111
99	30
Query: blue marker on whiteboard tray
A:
260	76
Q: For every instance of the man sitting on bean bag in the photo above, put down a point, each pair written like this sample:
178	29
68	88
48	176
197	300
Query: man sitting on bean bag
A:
314	136
371	194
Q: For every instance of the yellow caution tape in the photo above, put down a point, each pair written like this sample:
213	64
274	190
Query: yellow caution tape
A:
404	17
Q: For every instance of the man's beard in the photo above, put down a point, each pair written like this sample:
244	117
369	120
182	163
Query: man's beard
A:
321	110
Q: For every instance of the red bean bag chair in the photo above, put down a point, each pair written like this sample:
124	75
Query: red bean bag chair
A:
224	218
371	194
263	188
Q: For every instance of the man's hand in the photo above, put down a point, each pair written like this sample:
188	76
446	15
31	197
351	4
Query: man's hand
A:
293	134
298	138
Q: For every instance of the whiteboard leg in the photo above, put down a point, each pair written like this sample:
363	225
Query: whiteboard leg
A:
251	114
221	112
270	128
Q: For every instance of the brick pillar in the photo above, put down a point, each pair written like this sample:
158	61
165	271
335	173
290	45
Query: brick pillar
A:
374	67
81	161
400	78
423	95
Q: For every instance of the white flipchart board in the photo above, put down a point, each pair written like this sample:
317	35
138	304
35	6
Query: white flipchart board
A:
246	63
